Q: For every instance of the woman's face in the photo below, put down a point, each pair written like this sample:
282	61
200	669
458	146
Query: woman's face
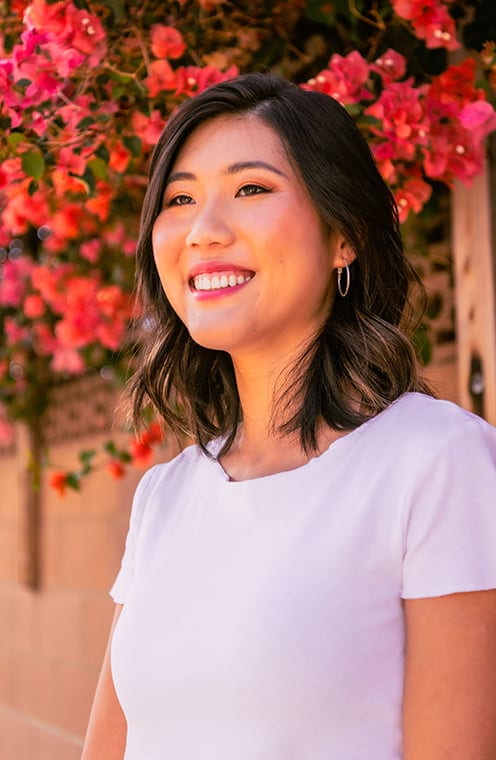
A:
242	254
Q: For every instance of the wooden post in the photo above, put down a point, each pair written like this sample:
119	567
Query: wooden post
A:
30	451
475	297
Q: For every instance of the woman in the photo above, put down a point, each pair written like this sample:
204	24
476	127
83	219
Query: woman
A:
314	579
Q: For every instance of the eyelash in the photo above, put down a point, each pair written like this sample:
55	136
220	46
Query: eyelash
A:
174	201
250	186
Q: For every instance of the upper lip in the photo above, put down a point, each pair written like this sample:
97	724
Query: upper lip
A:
210	267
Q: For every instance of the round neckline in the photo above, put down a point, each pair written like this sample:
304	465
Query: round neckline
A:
336	444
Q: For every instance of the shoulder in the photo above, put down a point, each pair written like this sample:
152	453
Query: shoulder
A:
422	420
190	460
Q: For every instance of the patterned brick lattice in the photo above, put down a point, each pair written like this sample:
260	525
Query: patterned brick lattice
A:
78	408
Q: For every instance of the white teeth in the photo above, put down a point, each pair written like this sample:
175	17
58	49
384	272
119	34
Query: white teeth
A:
219	282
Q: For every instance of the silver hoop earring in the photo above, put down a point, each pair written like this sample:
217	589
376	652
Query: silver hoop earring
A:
343	292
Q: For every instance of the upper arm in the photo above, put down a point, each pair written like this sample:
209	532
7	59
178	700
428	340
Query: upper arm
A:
107	729
450	677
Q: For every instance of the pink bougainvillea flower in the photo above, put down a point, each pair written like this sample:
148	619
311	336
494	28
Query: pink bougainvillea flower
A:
167	42
24	208
114	302
430	20
119	158
190	80
72	161
68	361
90	249
69	26
65	223
87	34
412	196
6	428
110	333
34	306
160	77
66	59
457	84
14	281
51	17
44	340
66	184
148	128
402	124
100	203
344	79
15	332
50	282
390	66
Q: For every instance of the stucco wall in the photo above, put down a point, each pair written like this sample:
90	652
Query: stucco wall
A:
52	639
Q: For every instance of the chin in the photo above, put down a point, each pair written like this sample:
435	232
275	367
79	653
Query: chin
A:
213	342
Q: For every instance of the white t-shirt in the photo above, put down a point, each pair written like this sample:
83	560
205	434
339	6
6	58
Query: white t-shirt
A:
263	619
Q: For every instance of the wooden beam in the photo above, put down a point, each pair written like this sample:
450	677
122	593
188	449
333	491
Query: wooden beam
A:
475	296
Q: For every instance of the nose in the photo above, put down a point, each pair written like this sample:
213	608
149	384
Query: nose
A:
210	228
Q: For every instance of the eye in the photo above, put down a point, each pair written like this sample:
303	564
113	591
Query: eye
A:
251	189
179	200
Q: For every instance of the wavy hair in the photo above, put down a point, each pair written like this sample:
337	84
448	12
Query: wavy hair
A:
363	352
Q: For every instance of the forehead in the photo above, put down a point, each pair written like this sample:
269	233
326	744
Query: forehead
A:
231	138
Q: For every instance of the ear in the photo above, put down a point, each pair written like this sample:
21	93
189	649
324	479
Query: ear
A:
343	253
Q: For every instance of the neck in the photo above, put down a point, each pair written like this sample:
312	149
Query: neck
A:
259	449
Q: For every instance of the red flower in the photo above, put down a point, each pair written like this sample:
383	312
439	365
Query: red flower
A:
167	42
411	197
141	452
116	469
160	77
430	21
58	481
344	79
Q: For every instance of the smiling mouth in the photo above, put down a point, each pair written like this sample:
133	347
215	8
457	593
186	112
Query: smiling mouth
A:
220	280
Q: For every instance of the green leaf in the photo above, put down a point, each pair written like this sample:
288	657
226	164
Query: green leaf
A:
33	163
102	152
73	481
117	7
88	121
124	456
320	11
133	144
89	178
15	138
86	455
110	448
99	167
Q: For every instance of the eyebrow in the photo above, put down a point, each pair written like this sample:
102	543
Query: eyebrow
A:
232	169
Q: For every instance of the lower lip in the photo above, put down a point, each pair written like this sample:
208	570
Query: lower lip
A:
209	295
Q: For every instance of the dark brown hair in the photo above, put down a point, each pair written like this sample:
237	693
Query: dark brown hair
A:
362	353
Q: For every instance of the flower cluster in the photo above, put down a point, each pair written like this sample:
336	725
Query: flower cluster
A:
417	132
85	91
430	20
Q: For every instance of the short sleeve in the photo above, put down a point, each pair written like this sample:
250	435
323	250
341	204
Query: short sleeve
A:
450	526
121	585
